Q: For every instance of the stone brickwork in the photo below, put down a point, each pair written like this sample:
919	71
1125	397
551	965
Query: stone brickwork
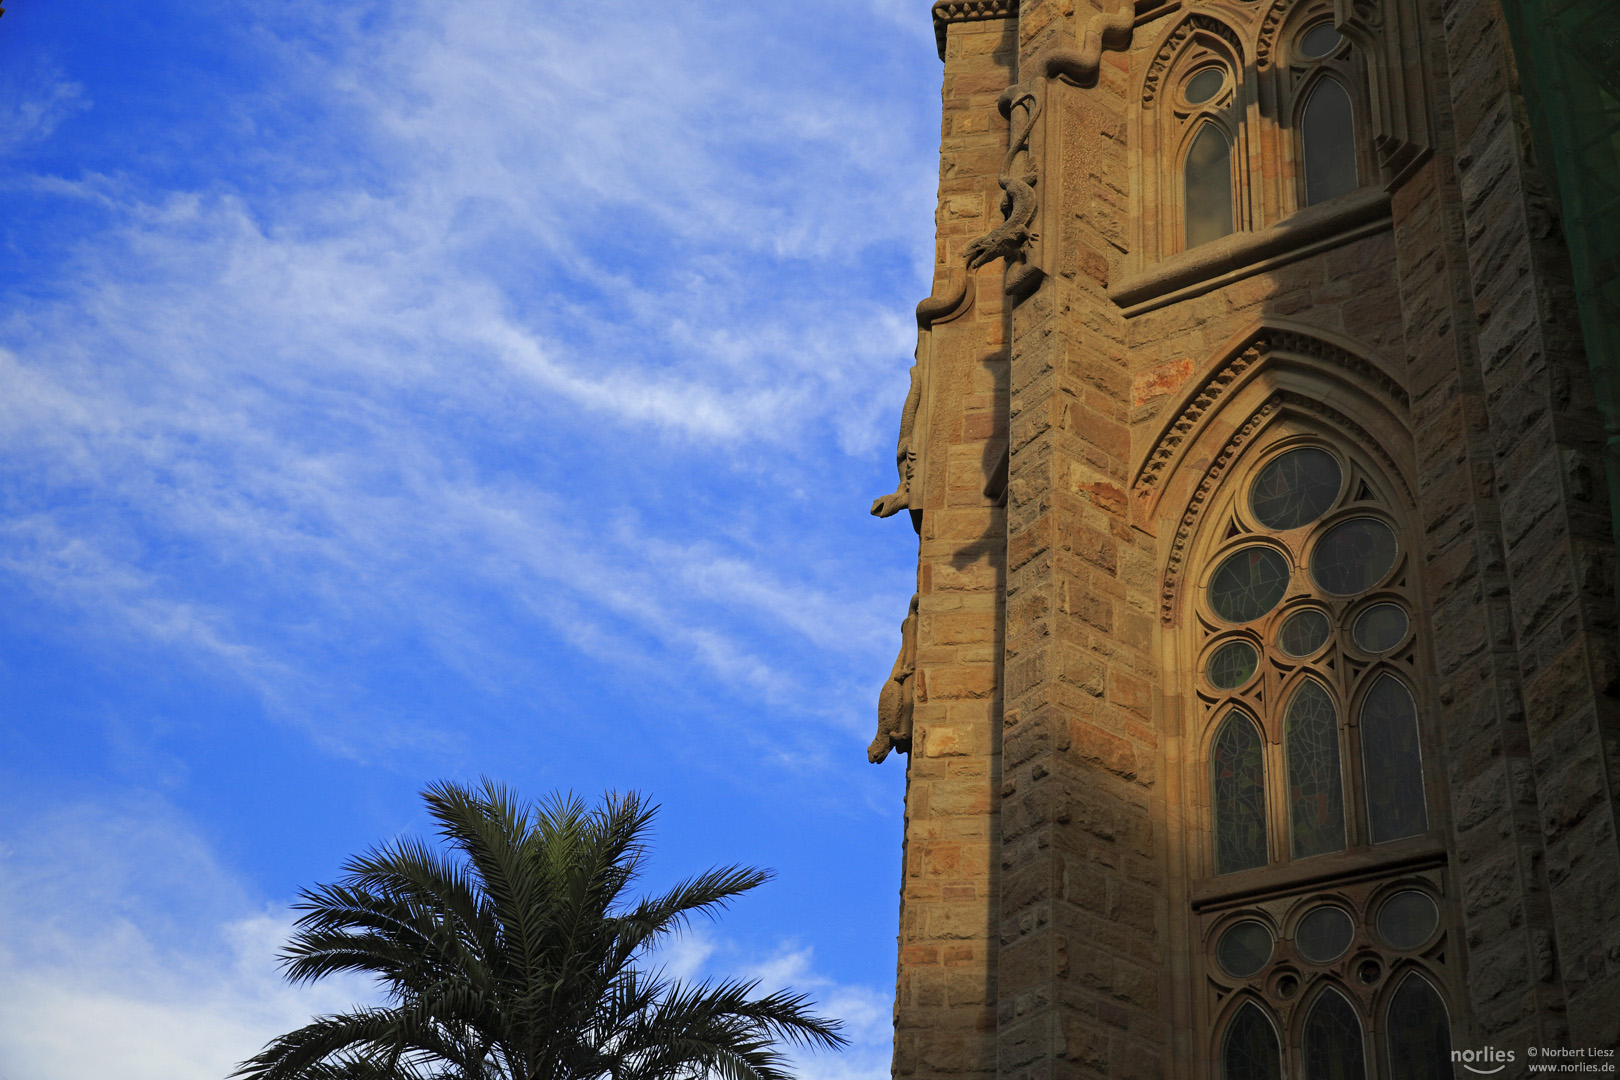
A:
1059	899
944	1008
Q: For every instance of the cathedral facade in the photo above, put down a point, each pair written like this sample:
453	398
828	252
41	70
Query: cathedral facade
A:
1260	696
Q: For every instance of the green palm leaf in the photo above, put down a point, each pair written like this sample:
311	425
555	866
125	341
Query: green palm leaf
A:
511	953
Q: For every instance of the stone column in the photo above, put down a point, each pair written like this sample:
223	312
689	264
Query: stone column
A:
1082	901
944	1016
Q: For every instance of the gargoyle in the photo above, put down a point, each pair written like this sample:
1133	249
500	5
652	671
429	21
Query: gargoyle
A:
1007	240
896	699
905	454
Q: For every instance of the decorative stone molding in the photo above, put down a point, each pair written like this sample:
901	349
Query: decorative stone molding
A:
1243	254
1187	527
1265	46
1226	374
1060	60
1178	38
955	11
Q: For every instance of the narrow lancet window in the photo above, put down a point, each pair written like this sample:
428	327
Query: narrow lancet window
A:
1393	762
1315	786
1329	133
1209	186
1250	1050
1419	1033
1333	1048
1239	781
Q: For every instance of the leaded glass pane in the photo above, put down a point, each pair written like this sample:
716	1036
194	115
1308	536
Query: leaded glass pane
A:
1353	556
1333	1049
1204	85
1295	489
1244	949
1208	175
1419	1033
1322	936
1232	665
1319	40
1315	789
1239	782
1381	627
1250	1051
1329	133
1304	632
1407	919
1393	762
1248	584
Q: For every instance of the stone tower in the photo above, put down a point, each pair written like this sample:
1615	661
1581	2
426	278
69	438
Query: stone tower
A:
1260	690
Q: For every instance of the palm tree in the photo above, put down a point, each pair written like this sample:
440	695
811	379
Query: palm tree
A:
514	957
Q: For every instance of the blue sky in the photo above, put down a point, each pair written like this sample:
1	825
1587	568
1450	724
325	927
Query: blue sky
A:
435	388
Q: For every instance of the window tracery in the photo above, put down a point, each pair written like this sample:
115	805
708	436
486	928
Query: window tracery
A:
1309	689
1247	135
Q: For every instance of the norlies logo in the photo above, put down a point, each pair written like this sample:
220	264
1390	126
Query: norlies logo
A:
1486	1062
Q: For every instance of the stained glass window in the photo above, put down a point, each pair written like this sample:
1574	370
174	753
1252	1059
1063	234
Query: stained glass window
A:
1204	85
1392	761
1296	488
1418	1032
1319	40
1315	789
1322	936
1232	665
1329	132
1239	780
1244	949
1353	556
1208	175
1248	584
1304	632
1332	1043
1381	627
1407	919
1250	1050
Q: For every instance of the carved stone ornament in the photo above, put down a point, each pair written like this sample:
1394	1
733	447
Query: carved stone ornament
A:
897	698
955	11
1186	423
1178	38
1228	373
1018	175
907	495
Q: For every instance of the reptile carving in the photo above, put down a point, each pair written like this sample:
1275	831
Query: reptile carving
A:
898	696
907	496
1019	201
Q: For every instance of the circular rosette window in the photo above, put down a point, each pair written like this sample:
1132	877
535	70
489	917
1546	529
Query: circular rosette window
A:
1248	583
1244	948
1407	919
1304	633
1232	665
1324	935
1353	556
1295	489
1380	628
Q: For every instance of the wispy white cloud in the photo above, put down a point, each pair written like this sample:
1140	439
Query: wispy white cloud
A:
126	950
567	260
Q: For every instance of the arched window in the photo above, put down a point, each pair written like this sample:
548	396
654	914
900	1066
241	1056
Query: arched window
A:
1315	785
1328	131
1392	760
1250	1050
1332	1048
1239	783
1208	178
1419	1033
